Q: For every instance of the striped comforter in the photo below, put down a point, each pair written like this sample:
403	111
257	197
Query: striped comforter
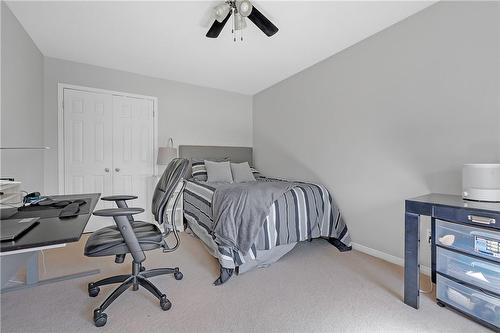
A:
306	211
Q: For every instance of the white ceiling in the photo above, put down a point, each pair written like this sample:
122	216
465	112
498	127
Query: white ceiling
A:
167	39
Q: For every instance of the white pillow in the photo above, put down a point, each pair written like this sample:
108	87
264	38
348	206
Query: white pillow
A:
242	172
219	171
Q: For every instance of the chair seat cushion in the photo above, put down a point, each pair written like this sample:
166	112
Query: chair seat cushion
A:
108	241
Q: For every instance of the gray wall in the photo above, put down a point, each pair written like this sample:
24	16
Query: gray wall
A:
392	117
187	113
22	103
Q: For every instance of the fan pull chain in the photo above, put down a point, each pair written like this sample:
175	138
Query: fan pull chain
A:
233	30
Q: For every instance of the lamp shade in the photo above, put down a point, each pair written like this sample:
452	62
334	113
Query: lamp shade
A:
221	11
244	8
165	155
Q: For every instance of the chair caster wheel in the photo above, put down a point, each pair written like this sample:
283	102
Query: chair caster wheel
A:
165	303
100	318
178	275
441	304
93	290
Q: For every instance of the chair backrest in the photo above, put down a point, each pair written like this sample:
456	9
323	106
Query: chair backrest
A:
174	173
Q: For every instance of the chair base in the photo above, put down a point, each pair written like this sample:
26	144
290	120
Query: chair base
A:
139	277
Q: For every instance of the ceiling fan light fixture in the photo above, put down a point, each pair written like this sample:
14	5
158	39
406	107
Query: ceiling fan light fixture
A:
244	7
239	10
221	12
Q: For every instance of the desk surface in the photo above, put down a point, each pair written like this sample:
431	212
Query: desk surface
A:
454	201
51	231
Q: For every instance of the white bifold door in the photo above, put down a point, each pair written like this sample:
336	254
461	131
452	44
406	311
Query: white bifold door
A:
108	148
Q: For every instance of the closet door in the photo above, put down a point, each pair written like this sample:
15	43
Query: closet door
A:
88	157
133	150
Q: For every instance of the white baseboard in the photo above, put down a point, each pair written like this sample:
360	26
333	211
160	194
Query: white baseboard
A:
387	257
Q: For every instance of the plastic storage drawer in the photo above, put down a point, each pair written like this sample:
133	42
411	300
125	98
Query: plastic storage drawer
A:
481	273
470	301
479	218
477	241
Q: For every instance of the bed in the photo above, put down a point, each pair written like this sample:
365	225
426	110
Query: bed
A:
298	211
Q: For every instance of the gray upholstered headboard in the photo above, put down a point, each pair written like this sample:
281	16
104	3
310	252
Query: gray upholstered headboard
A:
235	154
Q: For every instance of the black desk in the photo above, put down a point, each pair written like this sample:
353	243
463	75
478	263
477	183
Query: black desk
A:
451	208
49	233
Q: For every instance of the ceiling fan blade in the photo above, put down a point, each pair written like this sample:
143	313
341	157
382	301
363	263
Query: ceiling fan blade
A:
262	22
216	27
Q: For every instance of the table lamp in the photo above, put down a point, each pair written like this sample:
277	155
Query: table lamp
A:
166	154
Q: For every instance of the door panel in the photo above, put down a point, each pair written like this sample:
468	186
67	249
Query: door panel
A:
88	147
109	148
133	135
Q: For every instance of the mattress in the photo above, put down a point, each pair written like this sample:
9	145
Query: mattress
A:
304	212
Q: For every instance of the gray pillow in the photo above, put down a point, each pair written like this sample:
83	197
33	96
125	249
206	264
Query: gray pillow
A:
242	172
219	171
198	169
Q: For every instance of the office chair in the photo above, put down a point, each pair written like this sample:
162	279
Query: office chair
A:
135	237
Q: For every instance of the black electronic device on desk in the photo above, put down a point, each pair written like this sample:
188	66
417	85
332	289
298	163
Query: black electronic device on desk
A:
12	229
53	206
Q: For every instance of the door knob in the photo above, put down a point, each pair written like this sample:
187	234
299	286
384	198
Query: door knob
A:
117	169
106	169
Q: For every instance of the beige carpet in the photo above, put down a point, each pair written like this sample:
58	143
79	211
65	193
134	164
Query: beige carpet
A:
314	288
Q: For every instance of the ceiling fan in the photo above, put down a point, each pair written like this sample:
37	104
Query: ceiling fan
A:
240	9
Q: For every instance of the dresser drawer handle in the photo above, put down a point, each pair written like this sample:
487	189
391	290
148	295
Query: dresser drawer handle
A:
481	219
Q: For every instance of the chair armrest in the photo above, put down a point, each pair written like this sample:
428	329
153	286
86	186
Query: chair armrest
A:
123	223
118	211
119	197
